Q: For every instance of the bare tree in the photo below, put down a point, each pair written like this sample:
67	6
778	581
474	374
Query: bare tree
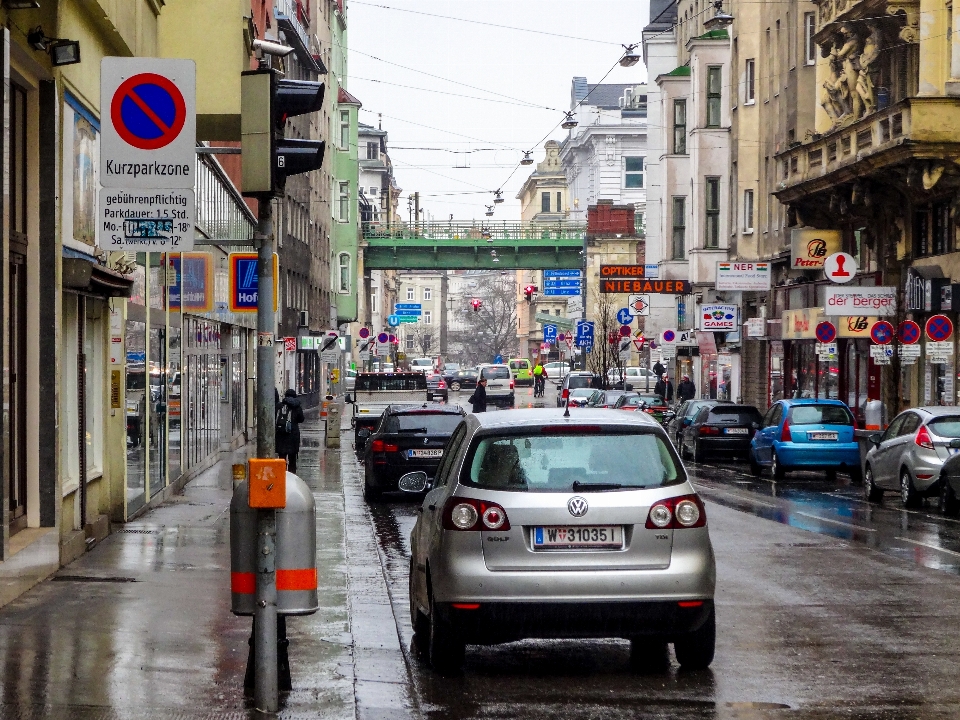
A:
605	355
492	330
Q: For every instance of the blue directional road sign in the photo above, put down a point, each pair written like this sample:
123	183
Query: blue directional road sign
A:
549	333
400	312
407	306
549	274
624	316
393	321
567	283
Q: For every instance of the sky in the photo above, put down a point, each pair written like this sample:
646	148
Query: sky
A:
456	144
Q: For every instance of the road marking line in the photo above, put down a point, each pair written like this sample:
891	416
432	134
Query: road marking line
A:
709	489
927	545
836	522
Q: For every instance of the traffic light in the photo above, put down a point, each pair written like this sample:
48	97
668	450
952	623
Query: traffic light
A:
477	303
267	157
529	291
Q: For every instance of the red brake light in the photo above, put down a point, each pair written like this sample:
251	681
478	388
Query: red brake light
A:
707	430
677	513
441	385
380	446
511	384
565	394
377	446
785	435
923	438
468	514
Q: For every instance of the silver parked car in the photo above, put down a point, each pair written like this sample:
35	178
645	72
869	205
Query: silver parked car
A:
908	456
539	525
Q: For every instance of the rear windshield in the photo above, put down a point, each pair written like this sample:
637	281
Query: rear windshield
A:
518	365
427	423
402	381
545	463
820	415
948	426
727	415
496	373
579	381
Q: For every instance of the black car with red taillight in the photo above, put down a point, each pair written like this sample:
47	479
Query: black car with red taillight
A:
407	438
723	428
436	387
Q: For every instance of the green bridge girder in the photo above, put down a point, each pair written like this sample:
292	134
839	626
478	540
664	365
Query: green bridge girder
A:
475	246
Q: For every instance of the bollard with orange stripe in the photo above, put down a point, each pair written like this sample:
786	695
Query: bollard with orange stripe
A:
296	544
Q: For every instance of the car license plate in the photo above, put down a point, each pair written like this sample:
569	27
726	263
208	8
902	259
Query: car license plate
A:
822	436
425	453
577	536
735	431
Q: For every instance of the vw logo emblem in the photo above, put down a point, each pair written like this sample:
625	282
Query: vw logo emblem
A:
426	441
577	506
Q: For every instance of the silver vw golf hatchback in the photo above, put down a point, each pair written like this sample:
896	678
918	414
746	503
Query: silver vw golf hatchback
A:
544	526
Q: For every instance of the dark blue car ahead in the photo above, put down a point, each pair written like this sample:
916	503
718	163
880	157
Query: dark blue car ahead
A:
806	434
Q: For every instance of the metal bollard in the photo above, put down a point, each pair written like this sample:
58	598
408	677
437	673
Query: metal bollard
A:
332	432
296	562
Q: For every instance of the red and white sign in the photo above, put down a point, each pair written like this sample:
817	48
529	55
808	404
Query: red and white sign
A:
840	267
290	344
855	301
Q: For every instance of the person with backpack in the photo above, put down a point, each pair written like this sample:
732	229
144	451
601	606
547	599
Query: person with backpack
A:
289	416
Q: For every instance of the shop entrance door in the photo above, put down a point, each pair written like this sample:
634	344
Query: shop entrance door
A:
17	342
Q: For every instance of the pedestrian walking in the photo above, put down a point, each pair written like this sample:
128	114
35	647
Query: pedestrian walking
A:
479	398
289	416
659	369
686	390
664	388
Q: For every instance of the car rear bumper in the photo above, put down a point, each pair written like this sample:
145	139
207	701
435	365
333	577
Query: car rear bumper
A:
737	444
819	455
500	622
386	476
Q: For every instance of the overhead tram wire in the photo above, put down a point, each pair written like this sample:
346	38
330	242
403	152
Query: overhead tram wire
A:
450	94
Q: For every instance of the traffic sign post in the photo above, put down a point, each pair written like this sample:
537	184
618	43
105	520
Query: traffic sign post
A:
939	328
148	155
908	333
549	333
639	305
393	320
882	332
840	267
625	316
826	332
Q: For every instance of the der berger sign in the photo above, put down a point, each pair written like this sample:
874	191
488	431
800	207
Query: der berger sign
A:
860	301
631	279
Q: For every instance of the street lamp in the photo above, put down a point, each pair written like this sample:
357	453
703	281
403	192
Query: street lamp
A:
569	121
720	20
630	58
527	160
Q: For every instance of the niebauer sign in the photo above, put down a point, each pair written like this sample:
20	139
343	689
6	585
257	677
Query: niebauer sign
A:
660	287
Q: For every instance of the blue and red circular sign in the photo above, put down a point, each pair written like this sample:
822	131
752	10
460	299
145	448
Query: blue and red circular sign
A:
909	332
669	336
939	328
148	111
625	331
826	332
881	332
364	333
382	338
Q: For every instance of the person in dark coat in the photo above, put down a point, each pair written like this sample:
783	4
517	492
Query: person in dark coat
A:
289	416
479	398
664	388
686	390
659	369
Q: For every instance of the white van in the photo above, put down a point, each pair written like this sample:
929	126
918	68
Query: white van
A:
424	365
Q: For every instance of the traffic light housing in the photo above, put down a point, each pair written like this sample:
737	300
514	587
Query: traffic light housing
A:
528	292
477	303
267	157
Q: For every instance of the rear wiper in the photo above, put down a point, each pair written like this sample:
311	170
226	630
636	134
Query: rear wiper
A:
577	485
413	430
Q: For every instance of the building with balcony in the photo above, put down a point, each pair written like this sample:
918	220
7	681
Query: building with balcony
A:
878	168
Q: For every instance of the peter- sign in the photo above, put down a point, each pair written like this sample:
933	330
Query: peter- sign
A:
860	301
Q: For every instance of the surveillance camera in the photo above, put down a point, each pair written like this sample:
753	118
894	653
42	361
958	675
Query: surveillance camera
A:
272	48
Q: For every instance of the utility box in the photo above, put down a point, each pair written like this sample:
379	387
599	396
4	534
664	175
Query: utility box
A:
295	551
332	432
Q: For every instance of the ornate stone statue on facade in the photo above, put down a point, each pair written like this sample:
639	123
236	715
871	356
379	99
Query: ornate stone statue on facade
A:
834	98
868	68
849	54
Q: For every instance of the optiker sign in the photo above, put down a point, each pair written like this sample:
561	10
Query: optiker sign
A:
860	301
245	282
809	248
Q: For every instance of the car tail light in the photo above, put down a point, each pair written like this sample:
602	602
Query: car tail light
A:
511	384
923	438
565	394
381	446
707	430
468	514
677	513
441	385
785	435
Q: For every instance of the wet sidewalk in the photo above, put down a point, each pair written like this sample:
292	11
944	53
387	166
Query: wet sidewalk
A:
140	627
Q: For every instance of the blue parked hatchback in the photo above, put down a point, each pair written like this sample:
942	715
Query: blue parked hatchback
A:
806	435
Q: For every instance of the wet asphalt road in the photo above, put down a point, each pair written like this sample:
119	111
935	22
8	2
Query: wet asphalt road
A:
828	607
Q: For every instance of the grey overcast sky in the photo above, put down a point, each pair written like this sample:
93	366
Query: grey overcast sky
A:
476	135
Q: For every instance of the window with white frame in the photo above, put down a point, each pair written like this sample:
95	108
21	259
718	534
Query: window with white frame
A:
633	172
809	46
344	202
373	192
427	293
411	344
374	302
345	272
711	238
410	293
679	227
748	211
714	95
750	82
427	317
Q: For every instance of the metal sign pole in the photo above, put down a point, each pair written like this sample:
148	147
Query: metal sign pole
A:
266	690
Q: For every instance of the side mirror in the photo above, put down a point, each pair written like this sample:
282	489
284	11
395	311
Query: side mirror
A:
875	438
364	433
415	482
